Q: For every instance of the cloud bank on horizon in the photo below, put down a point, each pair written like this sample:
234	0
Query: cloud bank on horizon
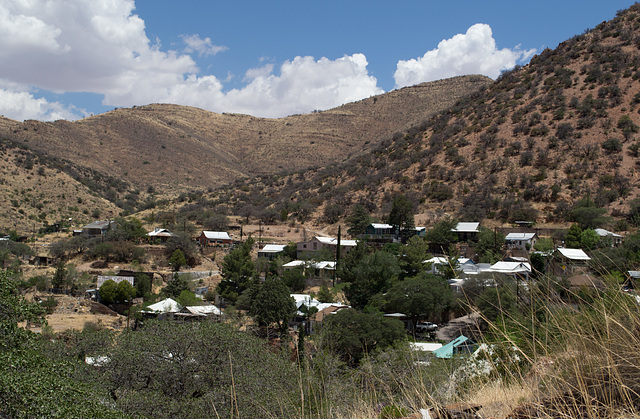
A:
101	47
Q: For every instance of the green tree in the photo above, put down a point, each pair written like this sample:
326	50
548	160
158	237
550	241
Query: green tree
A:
489	245
294	279
120	292
143	285
59	279
358	220
13	309
271	302
124	292
426	296
176	285
589	239
574	237
373	275
401	214
587	214
441	236
325	295
353	334
237	272
188	298
413	256
108	292
346	269
183	242
177	260
167	369
496	302
543	244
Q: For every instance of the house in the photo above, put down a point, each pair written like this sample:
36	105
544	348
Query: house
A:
605	235
522	241
566	261
323	310
98	228
215	238
201	312
382	233
313	270
459	345
117	279
160	234
168	305
515	269
467	231
318	243
271	251
437	262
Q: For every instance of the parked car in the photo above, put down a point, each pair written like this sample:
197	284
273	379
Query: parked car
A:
423	327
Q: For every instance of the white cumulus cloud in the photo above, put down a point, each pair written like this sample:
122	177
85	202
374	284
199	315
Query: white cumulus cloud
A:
201	46
101	47
21	105
473	52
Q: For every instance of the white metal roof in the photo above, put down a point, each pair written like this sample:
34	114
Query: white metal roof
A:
510	267
316	265
520	236
167	305
606	233
424	346
204	310
573	254
381	226
334	242
160	232
273	248
217	235
466	228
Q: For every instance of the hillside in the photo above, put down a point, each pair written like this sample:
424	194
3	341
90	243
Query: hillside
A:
174	148
528	147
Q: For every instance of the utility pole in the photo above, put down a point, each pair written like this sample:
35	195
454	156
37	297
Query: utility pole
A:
335	271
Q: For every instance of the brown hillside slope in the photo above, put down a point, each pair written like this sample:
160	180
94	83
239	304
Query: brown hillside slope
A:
175	147
539	139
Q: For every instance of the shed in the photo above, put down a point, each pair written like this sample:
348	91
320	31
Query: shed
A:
461	344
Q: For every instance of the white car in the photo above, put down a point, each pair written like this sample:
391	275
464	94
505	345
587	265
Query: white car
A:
426	327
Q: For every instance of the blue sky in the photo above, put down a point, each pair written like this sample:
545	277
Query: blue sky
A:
66	59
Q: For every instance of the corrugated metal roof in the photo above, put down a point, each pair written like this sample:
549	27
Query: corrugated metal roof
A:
273	248
217	235
520	236
466	228
573	254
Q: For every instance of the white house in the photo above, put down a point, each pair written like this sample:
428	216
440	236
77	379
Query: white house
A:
522	241
317	243
467	231
271	251
616	239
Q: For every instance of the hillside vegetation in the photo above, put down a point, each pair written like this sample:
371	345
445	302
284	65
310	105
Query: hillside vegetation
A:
133	157
527	147
170	146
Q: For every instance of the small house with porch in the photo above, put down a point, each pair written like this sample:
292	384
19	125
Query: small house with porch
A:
568	261
606	235
521	241
318	243
215	238
467	231
271	251
98	228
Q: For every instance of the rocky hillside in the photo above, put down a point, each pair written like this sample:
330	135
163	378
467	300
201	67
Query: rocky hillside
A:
528	147
173	148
